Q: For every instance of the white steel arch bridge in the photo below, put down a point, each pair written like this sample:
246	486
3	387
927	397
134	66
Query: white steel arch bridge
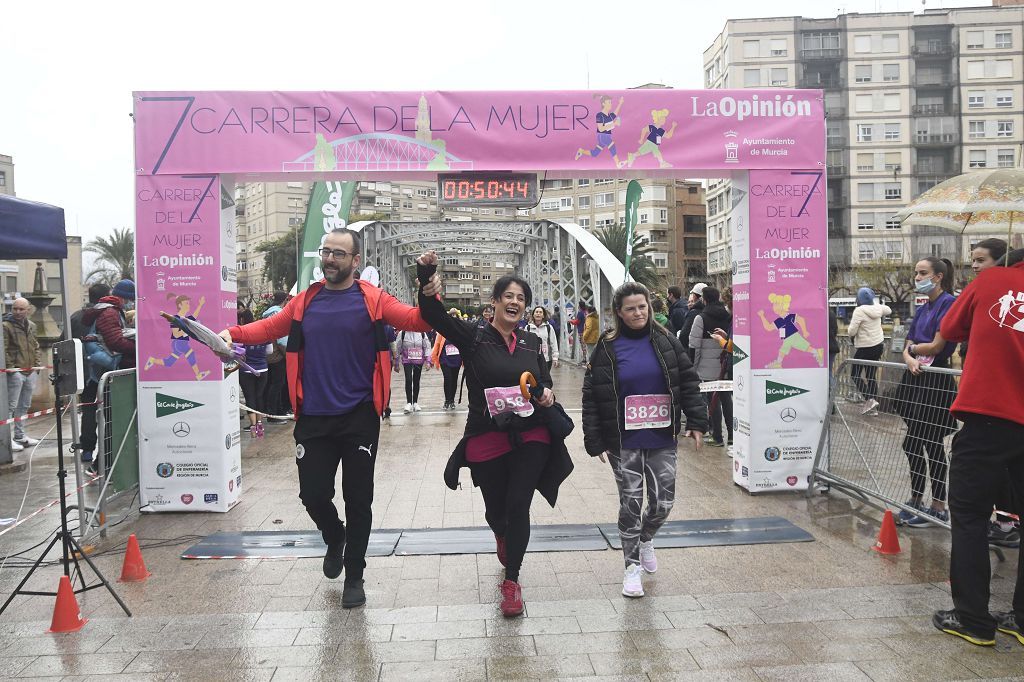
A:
563	262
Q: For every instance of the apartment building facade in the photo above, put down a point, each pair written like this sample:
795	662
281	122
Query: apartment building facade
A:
910	100
670	217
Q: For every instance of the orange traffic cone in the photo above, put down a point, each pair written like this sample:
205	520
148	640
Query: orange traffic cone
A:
67	617
134	568
888	541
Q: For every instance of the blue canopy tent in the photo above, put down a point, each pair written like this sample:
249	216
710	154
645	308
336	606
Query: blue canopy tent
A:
29	229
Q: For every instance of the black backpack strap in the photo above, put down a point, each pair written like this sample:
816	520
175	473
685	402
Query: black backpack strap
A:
472	349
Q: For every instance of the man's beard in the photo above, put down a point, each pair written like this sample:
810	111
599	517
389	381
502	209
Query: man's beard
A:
340	276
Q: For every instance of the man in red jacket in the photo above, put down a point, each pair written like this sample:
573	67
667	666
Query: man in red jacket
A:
990	315
339	378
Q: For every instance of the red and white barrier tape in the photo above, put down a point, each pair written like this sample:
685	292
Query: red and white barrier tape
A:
33	415
12	370
30	415
264	414
47	506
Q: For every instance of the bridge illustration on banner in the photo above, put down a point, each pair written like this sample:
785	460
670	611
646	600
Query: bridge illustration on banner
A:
378	151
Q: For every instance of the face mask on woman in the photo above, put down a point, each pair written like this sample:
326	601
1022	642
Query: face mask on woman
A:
925	286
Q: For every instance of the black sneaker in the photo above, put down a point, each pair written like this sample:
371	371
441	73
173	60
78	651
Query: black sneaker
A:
1003	538
949	622
1007	622
334	560
354	595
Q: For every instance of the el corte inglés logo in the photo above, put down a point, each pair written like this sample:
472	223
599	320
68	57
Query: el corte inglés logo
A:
774	392
738	355
168	404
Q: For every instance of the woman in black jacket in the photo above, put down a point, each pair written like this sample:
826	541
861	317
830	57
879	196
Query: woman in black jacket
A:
506	444
638	380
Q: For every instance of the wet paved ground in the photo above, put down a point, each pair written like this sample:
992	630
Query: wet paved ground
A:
831	609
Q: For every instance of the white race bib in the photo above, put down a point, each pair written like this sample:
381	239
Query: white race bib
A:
415	353
651	411
507	399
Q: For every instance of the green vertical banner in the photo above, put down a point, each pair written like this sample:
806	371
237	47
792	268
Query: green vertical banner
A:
329	207
633	193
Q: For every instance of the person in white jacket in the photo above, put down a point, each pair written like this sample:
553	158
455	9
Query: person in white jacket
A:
413	352
866	332
540	326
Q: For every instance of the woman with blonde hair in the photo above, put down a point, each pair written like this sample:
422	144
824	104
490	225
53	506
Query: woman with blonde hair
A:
651	137
792	328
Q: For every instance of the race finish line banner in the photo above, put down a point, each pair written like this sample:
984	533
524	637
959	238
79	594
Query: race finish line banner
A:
189	439
780	322
770	143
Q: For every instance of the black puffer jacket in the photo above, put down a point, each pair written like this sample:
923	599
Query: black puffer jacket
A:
602	418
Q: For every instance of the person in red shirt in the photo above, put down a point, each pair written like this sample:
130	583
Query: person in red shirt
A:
990	446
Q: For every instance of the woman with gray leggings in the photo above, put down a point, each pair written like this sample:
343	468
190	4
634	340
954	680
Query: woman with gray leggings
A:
638	380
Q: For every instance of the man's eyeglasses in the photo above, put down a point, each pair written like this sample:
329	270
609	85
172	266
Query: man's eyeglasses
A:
337	253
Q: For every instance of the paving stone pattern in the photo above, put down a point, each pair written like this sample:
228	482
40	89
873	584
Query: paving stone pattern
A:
827	610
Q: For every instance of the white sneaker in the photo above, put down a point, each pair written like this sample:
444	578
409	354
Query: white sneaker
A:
415	407
408	408
16	446
648	561
29	442
869	406
631	584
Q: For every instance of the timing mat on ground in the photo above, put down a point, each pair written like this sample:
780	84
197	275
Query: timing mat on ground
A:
715	532
290	544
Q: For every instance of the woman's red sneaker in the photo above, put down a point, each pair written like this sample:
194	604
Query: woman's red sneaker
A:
500	541
511	599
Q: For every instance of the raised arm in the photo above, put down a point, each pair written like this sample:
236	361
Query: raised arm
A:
267	329
455	331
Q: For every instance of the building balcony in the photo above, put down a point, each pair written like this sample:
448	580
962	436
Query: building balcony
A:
930	81
933	49
936	139
835	141
836	170
822	54
933	169
835	112
817	83
840	200
934	110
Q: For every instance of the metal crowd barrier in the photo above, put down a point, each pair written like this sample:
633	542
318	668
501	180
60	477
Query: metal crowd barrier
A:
117	448
877	455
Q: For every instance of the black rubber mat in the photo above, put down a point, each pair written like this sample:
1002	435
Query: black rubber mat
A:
279	544
568	538
714	532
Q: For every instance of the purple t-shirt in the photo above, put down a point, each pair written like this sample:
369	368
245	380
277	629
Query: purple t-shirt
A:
654	133
338	353
788	323
639	373
926	323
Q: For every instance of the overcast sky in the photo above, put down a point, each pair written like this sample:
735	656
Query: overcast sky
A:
68	68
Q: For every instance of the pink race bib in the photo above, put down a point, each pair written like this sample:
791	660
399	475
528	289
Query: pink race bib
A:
451	350
415	353
652	411
507	399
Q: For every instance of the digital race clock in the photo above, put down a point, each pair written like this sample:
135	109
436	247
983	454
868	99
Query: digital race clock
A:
487	189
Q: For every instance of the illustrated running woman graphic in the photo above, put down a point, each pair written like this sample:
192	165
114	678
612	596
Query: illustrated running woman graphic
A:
180	341
606	121
651	137
792	330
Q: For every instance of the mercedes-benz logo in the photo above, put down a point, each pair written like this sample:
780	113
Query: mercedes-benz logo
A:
181	429
788	414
